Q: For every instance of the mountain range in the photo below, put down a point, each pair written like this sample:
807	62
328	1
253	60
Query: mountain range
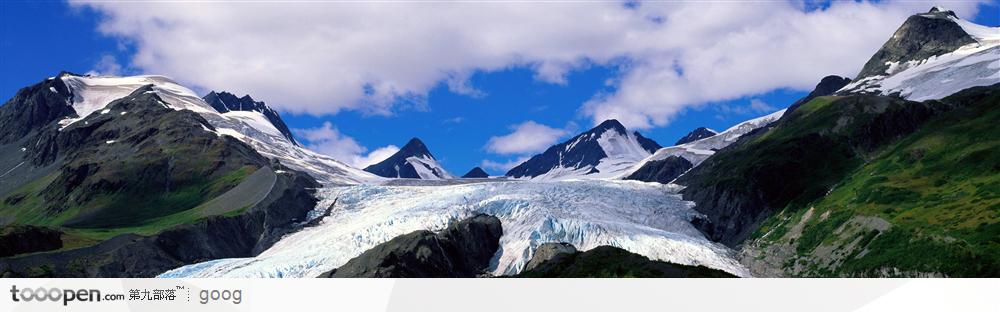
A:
892	173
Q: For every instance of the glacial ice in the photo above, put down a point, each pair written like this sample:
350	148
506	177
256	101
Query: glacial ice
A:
645	218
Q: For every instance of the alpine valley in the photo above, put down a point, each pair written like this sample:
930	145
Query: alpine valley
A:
893	173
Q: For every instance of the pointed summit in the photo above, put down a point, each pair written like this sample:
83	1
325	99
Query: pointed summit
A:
415	147
932	55
920	37
696	134
599	152
476	173
225	102
413	161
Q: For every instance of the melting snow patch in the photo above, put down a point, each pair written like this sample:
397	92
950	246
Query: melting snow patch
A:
109	141
53	90
105	111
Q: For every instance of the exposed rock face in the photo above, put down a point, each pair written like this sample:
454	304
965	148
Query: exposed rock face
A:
612	262
224	102
464	249
826	86
34	107
476	173
20	239
696	134
920	37
662	171
549	252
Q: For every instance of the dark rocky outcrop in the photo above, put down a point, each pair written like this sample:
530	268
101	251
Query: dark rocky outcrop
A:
224	102
476	173
662	171
581	151
696	134
464	249
549	252
21	239
920	37
35	107
826	86
611	262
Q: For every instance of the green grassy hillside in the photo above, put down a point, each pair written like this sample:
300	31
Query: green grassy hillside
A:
927	204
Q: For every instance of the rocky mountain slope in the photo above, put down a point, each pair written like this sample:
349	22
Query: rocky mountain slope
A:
243	107
601	152
932	55
131	173
858	184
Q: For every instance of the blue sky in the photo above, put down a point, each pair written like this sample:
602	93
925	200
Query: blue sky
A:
41	38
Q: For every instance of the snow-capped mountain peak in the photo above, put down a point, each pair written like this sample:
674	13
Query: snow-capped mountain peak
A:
93	93
90	94
246	107
413	161
932	55
600	152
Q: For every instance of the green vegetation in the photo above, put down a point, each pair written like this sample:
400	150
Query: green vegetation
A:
109	215
937	188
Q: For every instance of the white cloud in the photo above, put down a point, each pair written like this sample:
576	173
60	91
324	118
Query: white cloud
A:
377	155
327	140
319	58
526	137
107	65
502	166
759	106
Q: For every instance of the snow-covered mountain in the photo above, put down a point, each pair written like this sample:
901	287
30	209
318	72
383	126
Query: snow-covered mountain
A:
602	152
253	127
932	55
413	161
645	218
245	107
697	151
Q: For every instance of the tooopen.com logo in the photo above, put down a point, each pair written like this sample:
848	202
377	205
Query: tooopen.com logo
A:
42	294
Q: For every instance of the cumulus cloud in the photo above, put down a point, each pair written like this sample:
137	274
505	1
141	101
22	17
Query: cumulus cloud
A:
526	137
327	140
107	65
320	58
374	157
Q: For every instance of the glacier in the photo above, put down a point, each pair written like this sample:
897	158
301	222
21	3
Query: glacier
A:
645	218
